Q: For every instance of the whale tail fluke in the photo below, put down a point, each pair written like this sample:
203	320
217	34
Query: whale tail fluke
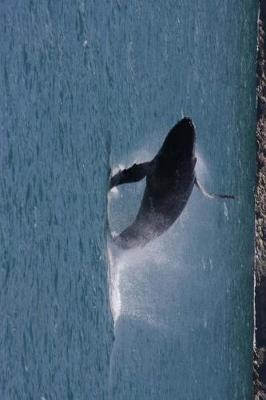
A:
212	195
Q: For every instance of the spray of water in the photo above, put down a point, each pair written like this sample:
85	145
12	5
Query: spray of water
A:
131	271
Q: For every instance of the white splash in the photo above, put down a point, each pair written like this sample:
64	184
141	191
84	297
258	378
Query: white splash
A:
131	272
226	213
114	274
201	167
132	268
113	193
120	167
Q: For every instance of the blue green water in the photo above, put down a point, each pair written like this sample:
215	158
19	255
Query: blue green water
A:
89	85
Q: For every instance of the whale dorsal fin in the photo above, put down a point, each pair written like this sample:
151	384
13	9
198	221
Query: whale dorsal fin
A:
129	175
212	195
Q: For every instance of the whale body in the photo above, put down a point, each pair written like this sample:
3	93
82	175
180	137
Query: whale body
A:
170	178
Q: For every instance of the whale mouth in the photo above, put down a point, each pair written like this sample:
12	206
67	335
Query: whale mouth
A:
180	142
185	138
187	123
187	127
187	120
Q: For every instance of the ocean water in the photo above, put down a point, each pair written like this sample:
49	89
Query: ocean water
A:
88	86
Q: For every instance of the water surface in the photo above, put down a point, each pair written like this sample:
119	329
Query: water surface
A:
89	84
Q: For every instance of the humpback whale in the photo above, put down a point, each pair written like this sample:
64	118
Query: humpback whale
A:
170	178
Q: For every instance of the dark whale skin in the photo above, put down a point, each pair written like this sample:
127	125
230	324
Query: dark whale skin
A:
170	178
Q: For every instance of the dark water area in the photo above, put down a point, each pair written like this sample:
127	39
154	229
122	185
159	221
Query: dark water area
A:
86	86
56	327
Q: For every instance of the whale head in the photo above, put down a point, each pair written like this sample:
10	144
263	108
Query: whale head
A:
180	141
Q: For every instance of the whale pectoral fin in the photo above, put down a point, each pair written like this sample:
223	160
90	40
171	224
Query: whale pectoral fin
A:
129	175
212	195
